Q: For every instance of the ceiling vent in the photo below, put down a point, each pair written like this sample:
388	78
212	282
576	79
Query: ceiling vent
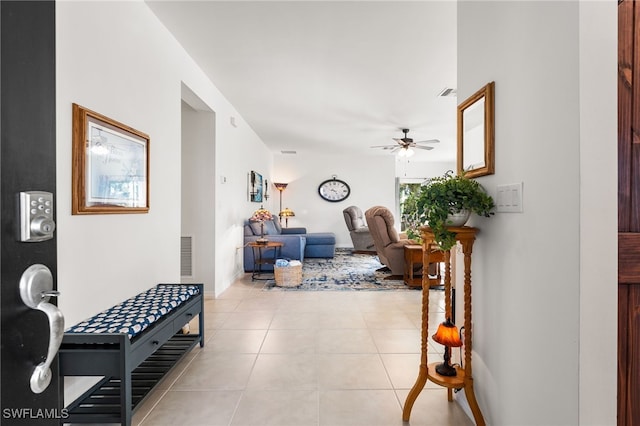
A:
448	92
290	152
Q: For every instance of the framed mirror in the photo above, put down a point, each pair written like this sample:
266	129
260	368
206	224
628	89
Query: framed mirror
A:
476	152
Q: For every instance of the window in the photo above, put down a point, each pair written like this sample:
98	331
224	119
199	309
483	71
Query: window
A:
404	187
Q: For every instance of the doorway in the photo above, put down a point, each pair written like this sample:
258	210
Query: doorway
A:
198	189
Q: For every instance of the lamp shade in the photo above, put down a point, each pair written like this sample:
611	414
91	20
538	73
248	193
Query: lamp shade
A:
280	186
287	212
448	335
261	215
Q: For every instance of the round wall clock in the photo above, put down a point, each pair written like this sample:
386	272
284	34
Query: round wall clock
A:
334	190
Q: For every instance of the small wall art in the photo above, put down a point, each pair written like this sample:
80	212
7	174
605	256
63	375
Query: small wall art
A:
255	187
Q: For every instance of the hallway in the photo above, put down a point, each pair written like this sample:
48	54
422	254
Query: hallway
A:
305	358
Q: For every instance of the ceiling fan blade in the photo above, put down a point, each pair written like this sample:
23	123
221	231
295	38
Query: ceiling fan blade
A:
384	146
430	141
428	148
396	149
401	140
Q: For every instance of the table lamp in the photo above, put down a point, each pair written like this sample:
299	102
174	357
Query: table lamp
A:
448	336
261	215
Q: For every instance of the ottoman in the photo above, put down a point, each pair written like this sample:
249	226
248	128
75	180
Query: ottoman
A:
320	244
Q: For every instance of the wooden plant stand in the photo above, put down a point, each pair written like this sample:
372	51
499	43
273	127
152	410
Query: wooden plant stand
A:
464	380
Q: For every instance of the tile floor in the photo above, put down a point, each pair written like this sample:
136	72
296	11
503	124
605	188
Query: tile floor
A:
304	358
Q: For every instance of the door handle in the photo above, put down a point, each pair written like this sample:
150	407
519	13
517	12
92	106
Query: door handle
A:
36	288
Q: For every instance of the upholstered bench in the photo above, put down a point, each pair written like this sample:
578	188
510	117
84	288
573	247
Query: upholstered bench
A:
132	345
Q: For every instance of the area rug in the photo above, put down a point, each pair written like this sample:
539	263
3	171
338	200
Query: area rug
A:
346	271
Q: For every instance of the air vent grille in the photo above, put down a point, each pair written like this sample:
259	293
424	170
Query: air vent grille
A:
285	151
186	256
448	92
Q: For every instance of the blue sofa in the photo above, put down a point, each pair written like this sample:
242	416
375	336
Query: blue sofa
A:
298	244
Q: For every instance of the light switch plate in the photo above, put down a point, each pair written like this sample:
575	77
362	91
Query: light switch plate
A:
509	199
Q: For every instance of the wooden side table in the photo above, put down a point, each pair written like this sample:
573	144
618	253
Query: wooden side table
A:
413	256
464	379
264	254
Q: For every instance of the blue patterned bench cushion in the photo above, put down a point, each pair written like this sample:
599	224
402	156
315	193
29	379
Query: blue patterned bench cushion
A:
136	314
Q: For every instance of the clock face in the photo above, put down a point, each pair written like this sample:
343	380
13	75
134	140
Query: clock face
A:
334	190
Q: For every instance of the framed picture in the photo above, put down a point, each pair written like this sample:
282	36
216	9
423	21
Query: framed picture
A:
110	172
255	187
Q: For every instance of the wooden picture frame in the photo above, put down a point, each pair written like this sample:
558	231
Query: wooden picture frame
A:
110	170
476	145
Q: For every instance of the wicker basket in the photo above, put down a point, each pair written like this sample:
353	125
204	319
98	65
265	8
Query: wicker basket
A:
288	276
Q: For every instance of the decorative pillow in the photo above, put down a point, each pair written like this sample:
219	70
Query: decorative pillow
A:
255	227
270	227
278	226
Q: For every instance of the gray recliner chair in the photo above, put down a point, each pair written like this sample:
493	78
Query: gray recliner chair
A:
388	244
358	229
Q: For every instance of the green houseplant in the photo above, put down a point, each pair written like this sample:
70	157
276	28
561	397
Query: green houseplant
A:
448	195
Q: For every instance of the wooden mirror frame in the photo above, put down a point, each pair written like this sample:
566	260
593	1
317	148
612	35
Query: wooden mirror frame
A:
488	168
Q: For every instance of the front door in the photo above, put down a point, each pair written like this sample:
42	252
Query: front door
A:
628	212
27	163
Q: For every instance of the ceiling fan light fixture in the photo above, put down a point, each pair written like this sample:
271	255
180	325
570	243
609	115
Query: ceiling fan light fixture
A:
404	146
405	152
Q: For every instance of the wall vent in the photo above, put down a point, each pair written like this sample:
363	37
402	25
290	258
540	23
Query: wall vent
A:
285	151
448	92
186	256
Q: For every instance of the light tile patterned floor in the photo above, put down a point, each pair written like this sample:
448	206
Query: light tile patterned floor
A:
305	358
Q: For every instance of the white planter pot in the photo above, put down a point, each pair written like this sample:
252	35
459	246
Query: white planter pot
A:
459	218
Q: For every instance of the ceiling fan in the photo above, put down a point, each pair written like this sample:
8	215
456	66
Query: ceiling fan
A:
404	145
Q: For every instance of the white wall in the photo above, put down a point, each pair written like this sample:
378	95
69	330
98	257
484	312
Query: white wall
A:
371	179
529	287
598	212
123	63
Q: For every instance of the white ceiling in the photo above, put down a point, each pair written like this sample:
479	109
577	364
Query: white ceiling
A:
328	76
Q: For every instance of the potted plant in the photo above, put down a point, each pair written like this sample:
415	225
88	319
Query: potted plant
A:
447	201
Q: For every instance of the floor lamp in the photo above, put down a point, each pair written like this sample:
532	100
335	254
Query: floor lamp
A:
280	187
286	213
